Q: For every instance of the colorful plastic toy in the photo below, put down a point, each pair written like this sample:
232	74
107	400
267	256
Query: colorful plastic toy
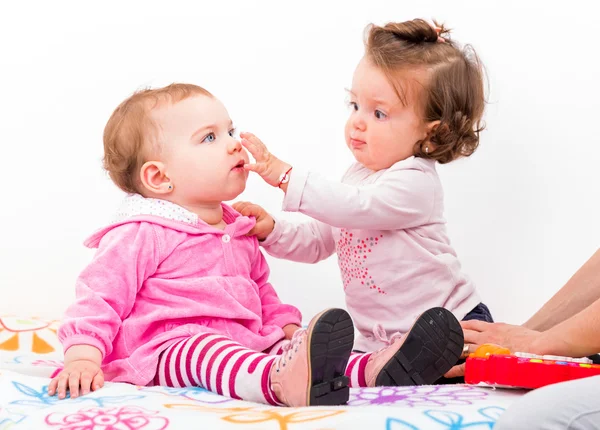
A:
496	366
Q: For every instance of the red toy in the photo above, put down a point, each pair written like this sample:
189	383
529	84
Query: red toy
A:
495	366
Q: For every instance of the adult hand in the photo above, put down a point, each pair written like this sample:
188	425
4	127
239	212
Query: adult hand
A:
515	338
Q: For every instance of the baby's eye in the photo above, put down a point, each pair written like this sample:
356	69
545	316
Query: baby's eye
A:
353	105
380	115
210	137
232	132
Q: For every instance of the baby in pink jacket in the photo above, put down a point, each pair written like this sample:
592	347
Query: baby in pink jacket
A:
177	294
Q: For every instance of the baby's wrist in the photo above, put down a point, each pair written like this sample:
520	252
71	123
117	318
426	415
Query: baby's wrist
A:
262	237
284	178
83	353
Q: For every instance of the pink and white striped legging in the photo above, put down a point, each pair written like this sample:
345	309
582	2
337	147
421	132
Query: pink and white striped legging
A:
225	367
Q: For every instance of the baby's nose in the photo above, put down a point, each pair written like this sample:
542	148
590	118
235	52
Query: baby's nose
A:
358	122
235	145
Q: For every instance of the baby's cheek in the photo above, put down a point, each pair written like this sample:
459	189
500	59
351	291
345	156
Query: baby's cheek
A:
347	128
347	136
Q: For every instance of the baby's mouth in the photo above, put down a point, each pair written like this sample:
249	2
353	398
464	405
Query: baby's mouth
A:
355	143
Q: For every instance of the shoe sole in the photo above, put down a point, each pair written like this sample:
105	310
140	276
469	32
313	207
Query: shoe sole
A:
330	342
432	346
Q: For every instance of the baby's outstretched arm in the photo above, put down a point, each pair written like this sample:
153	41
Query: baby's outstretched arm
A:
402	198
308	242
81	373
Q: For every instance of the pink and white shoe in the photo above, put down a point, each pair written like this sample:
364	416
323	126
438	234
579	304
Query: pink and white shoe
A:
431	347
310	371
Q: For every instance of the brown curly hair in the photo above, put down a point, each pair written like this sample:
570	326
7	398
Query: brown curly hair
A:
130	135
454	89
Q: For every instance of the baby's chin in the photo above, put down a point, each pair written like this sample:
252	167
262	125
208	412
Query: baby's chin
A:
360	154
364	159
234	193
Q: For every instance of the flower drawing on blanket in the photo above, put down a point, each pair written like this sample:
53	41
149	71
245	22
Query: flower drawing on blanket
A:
48	363
418	396
26	359
196	394
9	418
28	334
257	414
448	420
123	418
39	398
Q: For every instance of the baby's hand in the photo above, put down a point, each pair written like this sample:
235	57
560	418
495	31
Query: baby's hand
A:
269	167
289	330
84	374
264	222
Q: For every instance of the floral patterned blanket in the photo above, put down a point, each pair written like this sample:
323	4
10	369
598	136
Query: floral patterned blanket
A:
29	353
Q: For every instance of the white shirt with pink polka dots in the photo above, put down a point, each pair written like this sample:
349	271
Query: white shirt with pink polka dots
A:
389	233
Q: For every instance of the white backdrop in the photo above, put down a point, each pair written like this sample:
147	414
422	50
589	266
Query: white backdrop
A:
522	211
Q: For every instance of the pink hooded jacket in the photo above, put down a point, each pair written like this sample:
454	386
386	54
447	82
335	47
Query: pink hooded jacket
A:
161	275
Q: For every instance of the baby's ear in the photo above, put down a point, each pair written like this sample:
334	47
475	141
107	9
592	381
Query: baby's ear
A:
154	178
430	129
431	126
